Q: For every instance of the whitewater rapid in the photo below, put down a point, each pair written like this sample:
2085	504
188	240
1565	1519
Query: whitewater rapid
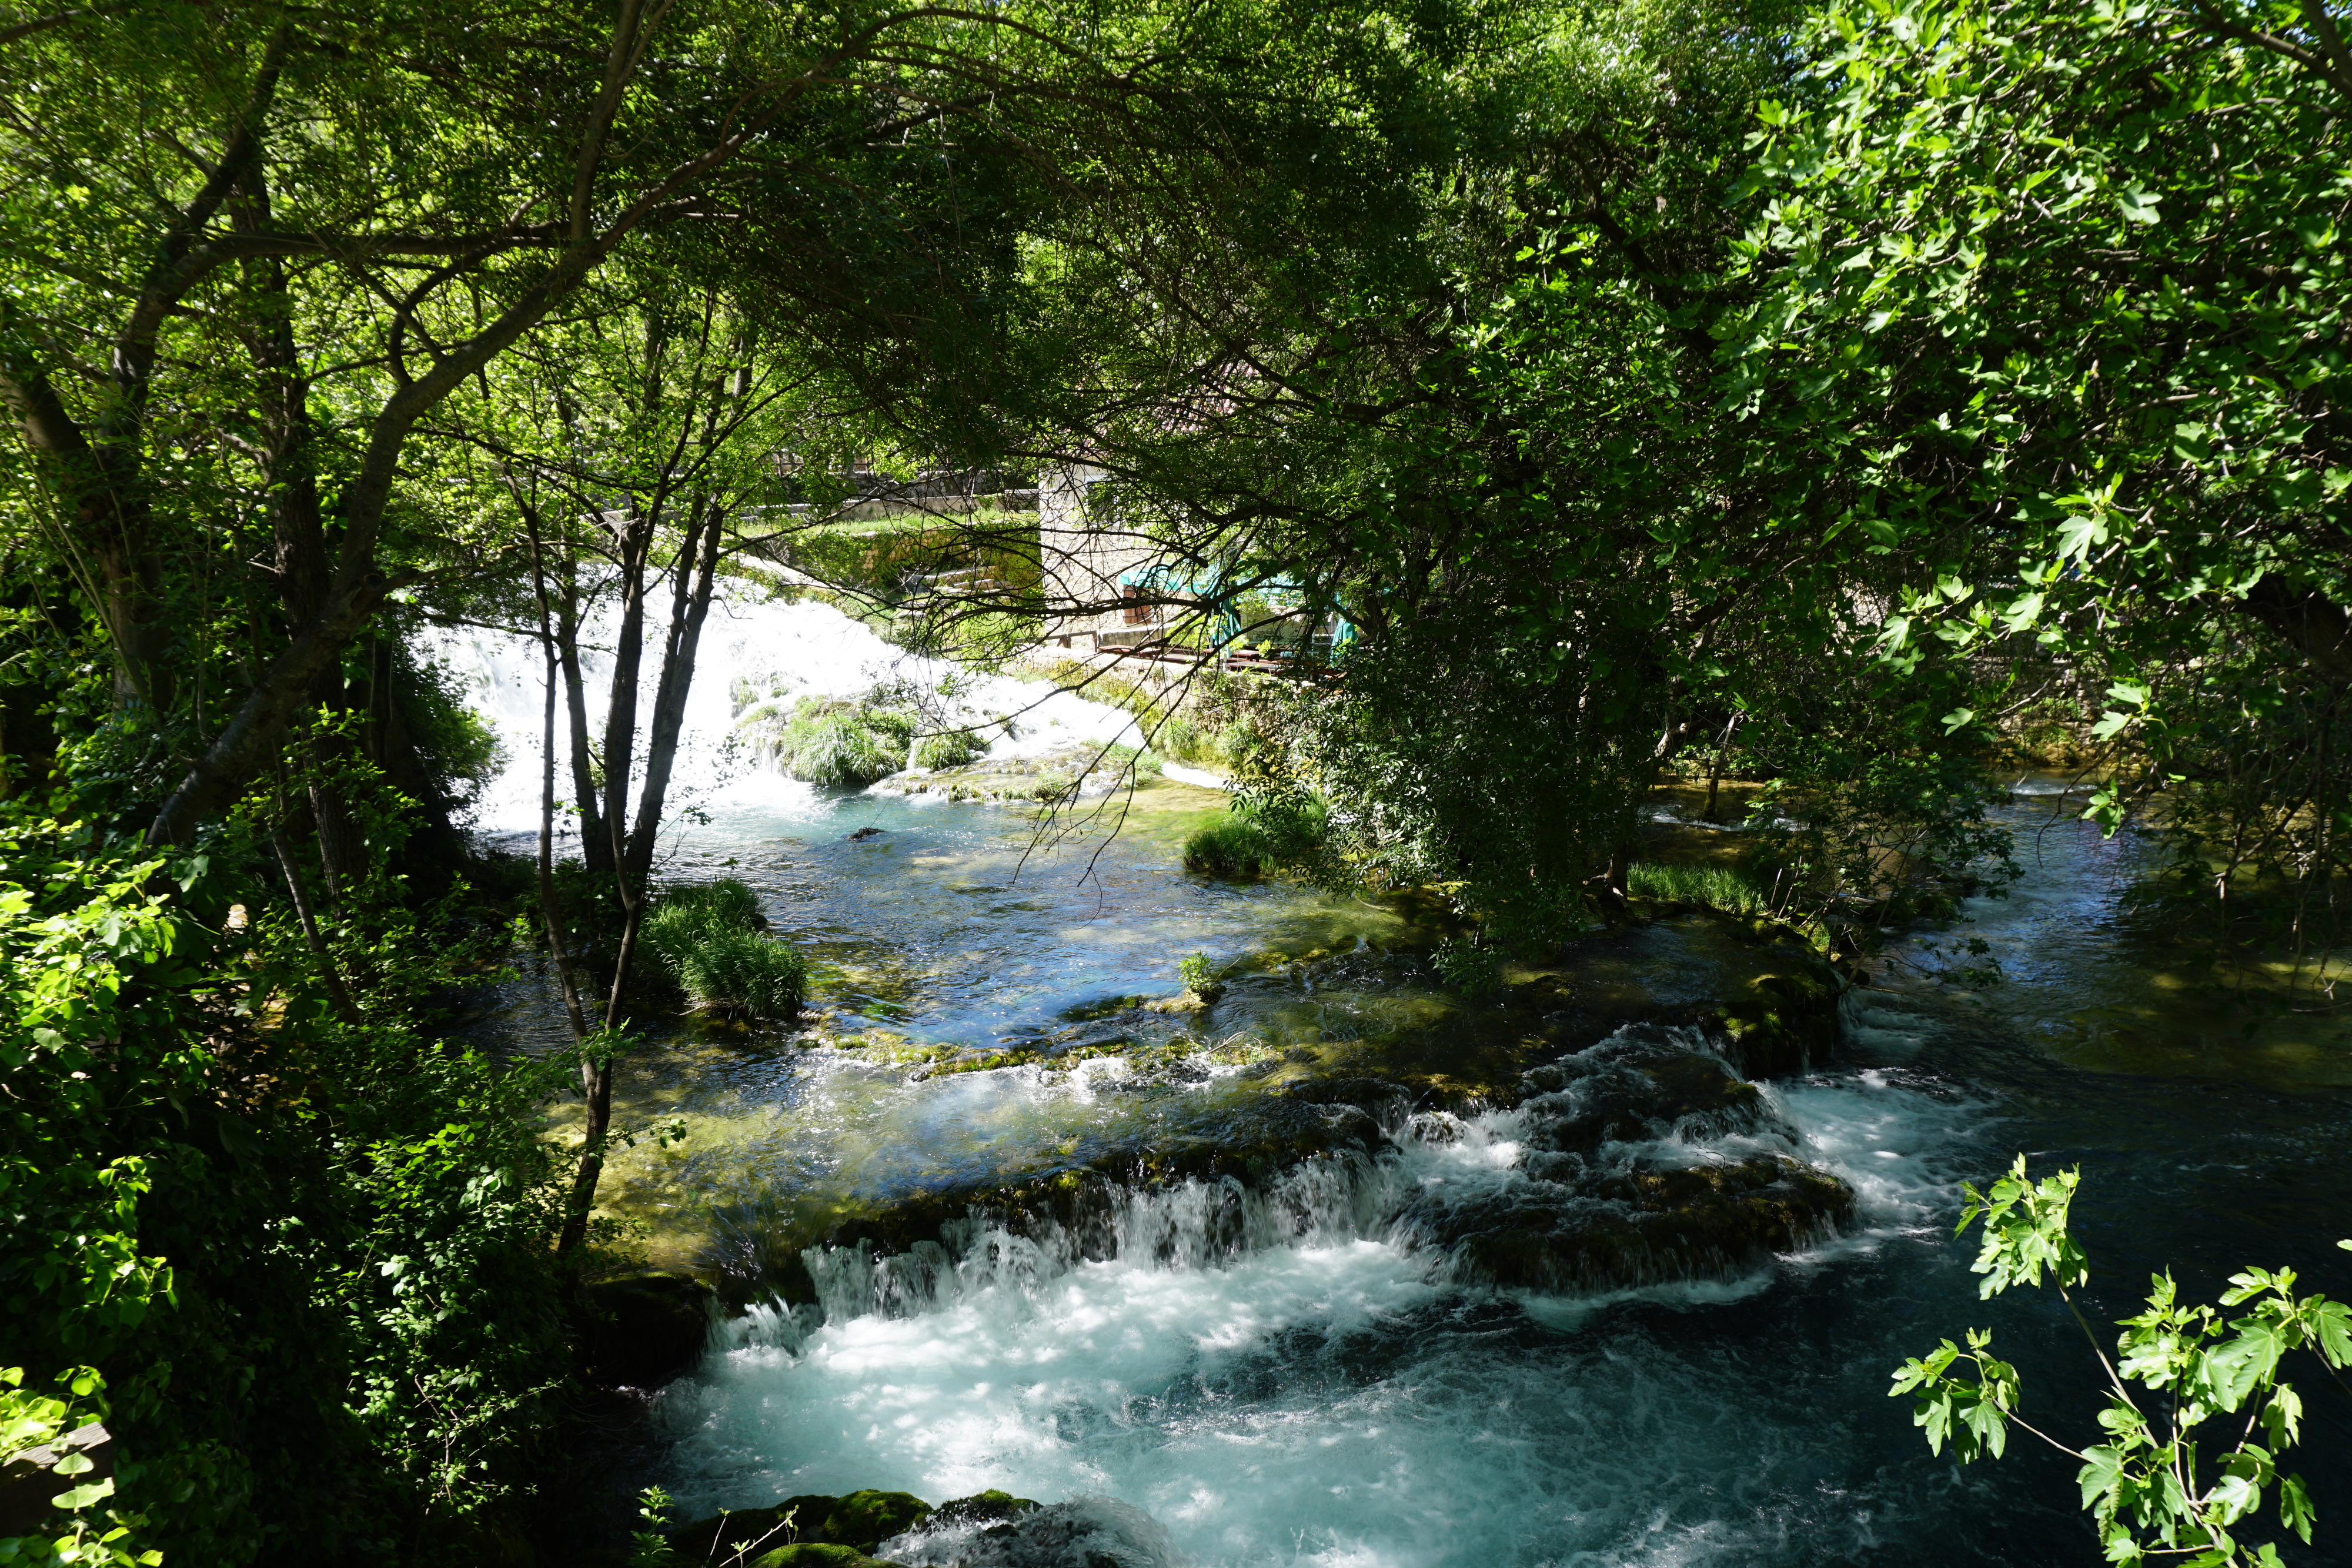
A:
1304	1385
1293	1377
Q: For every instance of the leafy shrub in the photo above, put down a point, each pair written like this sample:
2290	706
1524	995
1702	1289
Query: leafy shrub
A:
1231	847
2176	1366
1732	889
1122	758
1179	738
705	938
311	1262
1252	839
1199	975
1466	967
1238	748
456	748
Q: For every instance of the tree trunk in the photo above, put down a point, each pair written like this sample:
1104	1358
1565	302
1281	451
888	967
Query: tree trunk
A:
635	539
690	605
595	1072
345	1007
596	839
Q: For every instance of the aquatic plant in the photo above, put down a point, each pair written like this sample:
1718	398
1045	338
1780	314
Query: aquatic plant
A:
1252	839
1229	847
1732	889
843	747
705	938
950	748
1199	975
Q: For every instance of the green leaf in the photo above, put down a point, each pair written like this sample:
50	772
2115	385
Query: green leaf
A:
2232	1497
2079	533
2100	1475
2295	1511
2236	1369
2282	1417
82	1497
2331	1329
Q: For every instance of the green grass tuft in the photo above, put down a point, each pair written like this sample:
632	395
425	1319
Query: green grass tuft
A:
704	938
1728	888
952	749
1251	841
842	747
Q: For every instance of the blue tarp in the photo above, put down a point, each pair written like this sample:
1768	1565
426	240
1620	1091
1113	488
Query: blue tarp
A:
1222	601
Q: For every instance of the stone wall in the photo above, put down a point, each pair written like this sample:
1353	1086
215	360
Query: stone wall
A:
1083	549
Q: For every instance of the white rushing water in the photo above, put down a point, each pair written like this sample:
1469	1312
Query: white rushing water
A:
750	643
1289	1377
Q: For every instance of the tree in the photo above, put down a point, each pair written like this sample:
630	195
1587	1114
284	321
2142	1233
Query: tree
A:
1478	419
639	447
2047	307
256	250
252	255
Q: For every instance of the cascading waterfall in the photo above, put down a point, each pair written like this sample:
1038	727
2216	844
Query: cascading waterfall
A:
1320	1367
1190	1352
1432	1184
750	643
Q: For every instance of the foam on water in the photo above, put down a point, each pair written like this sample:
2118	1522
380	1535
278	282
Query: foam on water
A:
1289	1377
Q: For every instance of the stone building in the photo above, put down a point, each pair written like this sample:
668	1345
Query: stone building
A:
1099	560
1091	562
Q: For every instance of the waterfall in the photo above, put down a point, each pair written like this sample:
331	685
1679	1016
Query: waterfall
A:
1300	1370
752	642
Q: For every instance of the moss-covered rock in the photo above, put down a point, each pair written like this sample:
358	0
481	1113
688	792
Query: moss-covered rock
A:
856	1522
1643	1225
1619	1064
1066	772
815	1531
640	1330
1638	1084
819	1554
1783	1020
866	1519
982	1508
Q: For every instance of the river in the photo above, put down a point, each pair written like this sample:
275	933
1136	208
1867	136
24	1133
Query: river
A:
1312	1383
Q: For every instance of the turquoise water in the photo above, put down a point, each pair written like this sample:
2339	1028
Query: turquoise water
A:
1326	1393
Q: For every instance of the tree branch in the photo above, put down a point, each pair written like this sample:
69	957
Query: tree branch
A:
59	18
